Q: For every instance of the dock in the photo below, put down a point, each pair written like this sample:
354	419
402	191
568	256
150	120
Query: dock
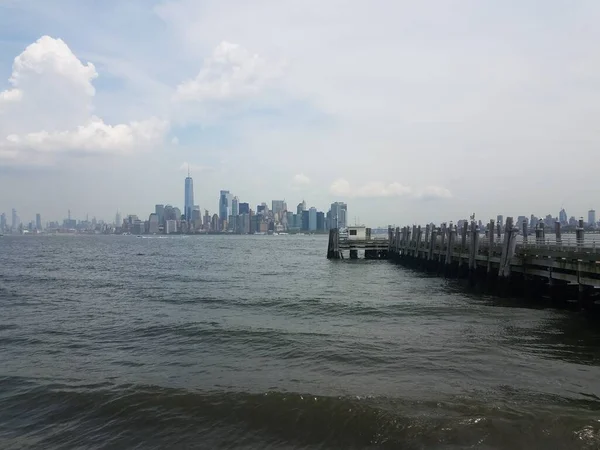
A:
511	260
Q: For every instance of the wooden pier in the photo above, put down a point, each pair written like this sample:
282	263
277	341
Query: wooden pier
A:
564	268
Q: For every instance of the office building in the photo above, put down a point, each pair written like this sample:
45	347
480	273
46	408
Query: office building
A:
300	208
592	218
225	200
159	210
500	221
290	221
244	208
153	223
188	206
312	219
261	209
320	220
278	206
339	213
304	221
214	226
2	222
38	222
170	226
14	220
235	206
562	217
118	220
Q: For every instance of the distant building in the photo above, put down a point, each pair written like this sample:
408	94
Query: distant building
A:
206	221
562	217
225	200
243	208
188	206
312	219
138	227
278	206
38	222
153	223
215	223
320	220
500	221
290	220
2	222
339	214
235	206
14	220
170	226
304	221
261	209
301	207
159	210
243	225
592	218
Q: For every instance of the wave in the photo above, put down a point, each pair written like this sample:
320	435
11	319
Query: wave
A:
104	416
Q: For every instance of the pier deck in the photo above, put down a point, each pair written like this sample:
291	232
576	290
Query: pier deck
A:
567	267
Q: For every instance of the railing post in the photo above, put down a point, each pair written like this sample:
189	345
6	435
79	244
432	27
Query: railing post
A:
434	232
579	234
490	246
557	232
443	236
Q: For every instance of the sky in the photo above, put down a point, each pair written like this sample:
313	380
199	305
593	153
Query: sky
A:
410	112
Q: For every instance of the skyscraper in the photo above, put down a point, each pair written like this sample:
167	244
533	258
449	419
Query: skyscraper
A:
312	219
189	197
38	222
235	206
224	205
244	208
592	218
339	213
301	207
2	222
562	217
14	220
278	206
118	221
159	210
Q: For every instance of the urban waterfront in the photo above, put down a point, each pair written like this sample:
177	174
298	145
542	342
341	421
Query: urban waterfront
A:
261	342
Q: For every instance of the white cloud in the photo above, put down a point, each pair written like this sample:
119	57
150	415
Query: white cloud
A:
230	72
301	180
93	137
175	141
434	192
10	95
48	110
375	189
342	187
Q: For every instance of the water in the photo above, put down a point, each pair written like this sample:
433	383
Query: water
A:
260	342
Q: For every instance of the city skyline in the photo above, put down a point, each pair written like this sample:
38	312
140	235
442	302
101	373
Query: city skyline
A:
399	109
231	215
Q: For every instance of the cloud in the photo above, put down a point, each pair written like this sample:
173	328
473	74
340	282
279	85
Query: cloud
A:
231	72
48	110
434	192
301	180
342	188
375	189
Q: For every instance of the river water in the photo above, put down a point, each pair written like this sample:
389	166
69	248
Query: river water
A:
261	342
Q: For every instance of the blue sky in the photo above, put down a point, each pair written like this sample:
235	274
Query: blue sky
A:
408	111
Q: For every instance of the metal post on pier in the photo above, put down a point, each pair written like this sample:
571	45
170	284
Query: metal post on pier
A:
490	246
540	235
579	234
557	232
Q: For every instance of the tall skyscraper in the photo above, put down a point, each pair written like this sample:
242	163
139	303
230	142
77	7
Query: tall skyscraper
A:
159	210
235	206
14	220
500	221
312	219
118	221
339	213
2	222
592	218
225	200
244	208
562	217
189	197
38	222
301	207
278	206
